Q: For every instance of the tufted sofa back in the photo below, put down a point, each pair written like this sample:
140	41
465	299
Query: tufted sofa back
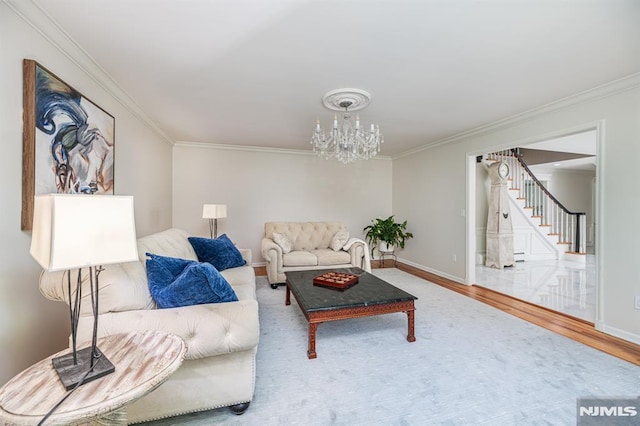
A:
123	287
305	235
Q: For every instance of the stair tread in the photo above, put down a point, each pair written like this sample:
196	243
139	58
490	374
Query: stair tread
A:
541	218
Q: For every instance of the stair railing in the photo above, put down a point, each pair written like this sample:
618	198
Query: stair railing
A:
570	227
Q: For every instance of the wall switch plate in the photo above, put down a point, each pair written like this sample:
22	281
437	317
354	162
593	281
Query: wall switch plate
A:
637	302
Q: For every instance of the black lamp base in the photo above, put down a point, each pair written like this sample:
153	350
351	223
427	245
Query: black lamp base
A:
70	374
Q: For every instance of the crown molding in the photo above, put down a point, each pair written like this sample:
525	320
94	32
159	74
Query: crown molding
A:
36	17
228	147
614	87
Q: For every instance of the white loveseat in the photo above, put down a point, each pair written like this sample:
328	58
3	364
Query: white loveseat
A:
310	248
222	338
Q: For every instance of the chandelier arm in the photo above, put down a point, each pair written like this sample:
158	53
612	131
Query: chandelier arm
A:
347	141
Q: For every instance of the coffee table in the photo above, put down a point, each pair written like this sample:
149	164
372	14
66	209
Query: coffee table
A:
370	296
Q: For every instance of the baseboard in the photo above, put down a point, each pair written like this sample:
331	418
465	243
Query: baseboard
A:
260	270
379	264
434	271
625	335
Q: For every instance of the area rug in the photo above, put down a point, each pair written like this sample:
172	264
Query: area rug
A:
471	364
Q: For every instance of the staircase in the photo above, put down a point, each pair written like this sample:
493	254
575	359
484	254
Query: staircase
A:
564	230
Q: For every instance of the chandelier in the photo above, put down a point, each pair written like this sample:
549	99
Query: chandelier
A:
347	141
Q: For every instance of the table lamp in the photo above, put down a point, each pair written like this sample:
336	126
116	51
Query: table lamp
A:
73	232
213	212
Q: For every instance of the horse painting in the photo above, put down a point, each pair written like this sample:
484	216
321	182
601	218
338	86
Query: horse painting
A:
73	139
74	136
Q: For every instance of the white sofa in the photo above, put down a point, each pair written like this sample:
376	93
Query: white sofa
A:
222	338
310	249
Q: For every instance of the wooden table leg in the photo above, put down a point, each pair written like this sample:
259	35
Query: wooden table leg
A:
287	298
410	335
311	352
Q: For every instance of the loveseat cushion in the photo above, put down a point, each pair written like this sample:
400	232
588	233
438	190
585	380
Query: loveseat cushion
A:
175	282
328	257
299	258
220	252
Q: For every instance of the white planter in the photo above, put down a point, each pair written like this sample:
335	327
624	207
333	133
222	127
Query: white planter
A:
383	247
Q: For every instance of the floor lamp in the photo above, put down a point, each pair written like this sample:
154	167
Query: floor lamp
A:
82	232
213	212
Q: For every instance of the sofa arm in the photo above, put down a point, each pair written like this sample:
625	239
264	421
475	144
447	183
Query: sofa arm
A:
272	253
208	329
246	255
359	251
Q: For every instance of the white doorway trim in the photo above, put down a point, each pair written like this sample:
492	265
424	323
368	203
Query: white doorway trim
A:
471	244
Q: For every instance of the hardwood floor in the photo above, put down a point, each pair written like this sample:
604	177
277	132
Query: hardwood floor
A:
574	328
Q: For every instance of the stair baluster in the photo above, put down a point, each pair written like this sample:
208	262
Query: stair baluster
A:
570	227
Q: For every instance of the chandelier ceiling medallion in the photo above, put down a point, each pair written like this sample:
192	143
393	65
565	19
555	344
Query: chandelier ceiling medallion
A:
347	141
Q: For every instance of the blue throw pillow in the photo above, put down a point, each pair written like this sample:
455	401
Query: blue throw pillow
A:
220	252
177	282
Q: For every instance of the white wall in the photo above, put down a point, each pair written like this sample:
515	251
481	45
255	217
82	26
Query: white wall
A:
429	187
429	192
574	190
32	327
259	186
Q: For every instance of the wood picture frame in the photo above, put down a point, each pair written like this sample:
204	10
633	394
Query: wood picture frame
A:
68	142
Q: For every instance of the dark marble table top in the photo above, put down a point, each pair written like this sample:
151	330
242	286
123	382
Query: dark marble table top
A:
370	290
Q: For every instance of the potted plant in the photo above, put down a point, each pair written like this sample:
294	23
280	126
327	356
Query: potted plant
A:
386	234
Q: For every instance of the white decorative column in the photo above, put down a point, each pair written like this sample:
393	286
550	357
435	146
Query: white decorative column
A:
499	226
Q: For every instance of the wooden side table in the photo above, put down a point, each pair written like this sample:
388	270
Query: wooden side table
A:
143	361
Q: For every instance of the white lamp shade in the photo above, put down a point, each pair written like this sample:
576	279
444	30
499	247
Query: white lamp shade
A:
75	231
214	211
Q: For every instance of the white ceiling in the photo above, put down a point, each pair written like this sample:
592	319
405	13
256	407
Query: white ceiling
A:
579	143
253	72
